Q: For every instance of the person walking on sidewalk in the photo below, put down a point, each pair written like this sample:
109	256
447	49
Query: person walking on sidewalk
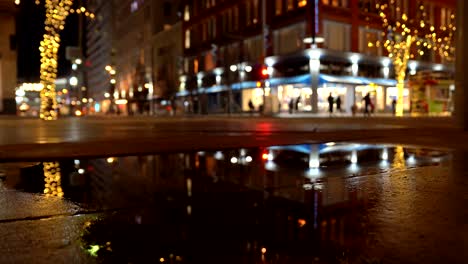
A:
291	106
330	103
338	104
367	104
251	107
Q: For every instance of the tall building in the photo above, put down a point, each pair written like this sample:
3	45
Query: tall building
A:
100	53
8	78
138	25
310	48
135	38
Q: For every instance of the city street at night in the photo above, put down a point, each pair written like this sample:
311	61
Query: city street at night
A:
234	131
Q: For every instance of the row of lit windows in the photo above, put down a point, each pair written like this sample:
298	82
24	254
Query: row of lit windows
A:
282	6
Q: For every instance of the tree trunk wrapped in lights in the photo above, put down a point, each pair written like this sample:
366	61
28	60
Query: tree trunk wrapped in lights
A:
410	38
56	13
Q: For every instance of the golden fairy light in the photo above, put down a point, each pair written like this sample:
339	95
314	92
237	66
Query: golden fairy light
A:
56	13
410	38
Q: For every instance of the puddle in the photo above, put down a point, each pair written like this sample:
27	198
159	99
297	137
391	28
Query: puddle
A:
325	203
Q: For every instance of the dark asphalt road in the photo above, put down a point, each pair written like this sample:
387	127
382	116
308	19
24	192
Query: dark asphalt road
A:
30	139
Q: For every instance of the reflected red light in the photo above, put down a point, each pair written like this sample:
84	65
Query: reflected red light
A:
264	72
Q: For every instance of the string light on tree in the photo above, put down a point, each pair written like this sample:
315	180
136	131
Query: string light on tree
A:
56	13
410	38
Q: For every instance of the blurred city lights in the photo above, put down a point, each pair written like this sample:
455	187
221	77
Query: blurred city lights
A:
234	160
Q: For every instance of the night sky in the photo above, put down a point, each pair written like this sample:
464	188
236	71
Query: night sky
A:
30	28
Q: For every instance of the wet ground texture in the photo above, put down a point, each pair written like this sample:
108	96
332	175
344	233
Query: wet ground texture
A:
365	204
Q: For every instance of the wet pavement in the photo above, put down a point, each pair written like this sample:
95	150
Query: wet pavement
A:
364	204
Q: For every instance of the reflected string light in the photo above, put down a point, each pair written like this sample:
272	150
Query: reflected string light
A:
52	179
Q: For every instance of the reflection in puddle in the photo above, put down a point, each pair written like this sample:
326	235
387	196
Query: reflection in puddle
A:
283	204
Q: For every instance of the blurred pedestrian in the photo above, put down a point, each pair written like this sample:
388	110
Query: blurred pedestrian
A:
291	106
338	104
394	102
298	101
367	104
251	106
330	103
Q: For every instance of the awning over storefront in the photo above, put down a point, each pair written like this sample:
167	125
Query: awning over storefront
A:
300	79
325	78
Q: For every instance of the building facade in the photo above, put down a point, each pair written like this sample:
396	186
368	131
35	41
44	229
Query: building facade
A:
132	39
8	57
312	49
100	53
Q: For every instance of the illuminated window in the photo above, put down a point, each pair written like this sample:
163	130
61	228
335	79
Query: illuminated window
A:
255	12
187	39
279	7
187	13
302	3
290	5
336	3
326	2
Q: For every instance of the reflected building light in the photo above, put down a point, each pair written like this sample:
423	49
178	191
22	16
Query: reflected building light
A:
411	160
189	209
353	168
219	155
74	67
354	157
308	186
77	162
264	250
330	144
243	152
248	159
110	160
384	155
271	166
314	163
161	260
81	171
189	187
233	68
313	173
201	153
384	164
248	68
234	160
